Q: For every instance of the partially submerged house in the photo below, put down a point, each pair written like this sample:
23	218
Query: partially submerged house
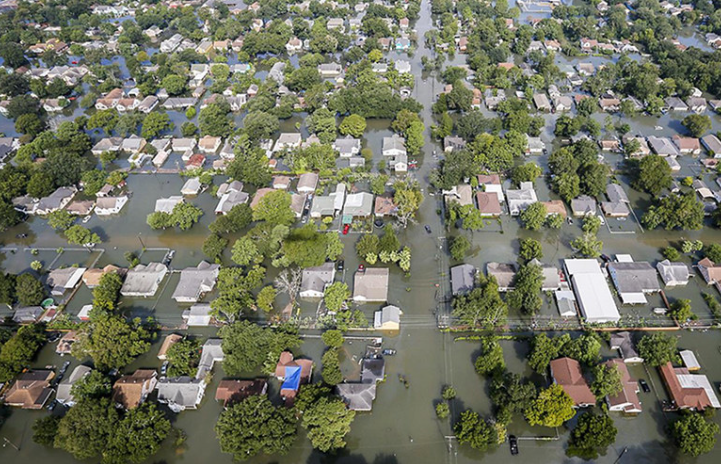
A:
129	391
64	394
169	341
235	391
626	400
181	393
504	273
316	279
31	390
388	318
634	280
519	199
198	315
688	391
673	273
566	372
623	343
591	289
292	372
463	278
62	280
371	285
143	280
196	281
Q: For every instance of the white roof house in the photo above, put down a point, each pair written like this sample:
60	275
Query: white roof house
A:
198	315
673	274
358	205
592	292
63	394
61	280
520	199
181	393
107	206
166	205
143	281
192	186
388	318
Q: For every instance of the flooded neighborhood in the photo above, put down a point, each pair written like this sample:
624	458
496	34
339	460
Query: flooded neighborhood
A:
398	231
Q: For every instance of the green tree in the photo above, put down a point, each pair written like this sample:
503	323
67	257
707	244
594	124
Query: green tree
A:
254	426
367	246
245	252
713	252
657	349
591	224
183	357
606	381
491	359
482	306
353	125
551	408
530	249
87	428
79	235
335	295
45	429
681	311
534	216
260	125
525	173
247	346
473	430
174	84
185	215
671	253
332	374
112	342
214	245
214	120
137	436
95	385
543	351
29	290
654	174
592	435
443	410
274	208
510	393
19	350
694	435
60	219
327	421
333	338
107	293
697	124
588	245
154	124
266	297
459	247
527	289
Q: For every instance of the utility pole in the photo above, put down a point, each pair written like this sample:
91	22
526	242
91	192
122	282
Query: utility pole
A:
8	442
141	242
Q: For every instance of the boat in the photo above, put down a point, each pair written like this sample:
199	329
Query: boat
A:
659	311
388	352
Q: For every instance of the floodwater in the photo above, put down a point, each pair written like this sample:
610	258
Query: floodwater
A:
403	427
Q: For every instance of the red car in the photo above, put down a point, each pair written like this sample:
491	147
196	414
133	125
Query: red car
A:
74	62
346	228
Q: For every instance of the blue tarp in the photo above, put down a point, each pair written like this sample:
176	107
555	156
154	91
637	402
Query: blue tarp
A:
292	378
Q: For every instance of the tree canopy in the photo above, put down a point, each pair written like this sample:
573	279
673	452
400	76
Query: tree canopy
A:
551	408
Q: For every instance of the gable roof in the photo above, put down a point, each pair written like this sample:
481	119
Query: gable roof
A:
567	373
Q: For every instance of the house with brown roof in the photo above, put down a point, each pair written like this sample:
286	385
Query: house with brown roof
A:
384	206
504	273
169	341
626	400
566	372
687	145
371	285
555	207
91	277
488	204
710	271
65	344
235	391
130	391
688	391
293	373
31	390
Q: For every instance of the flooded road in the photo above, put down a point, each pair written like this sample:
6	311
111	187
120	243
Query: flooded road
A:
403	427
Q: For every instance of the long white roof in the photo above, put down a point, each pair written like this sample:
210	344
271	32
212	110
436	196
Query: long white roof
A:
592	292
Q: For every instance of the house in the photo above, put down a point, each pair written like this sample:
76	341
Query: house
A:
229	200
662	146
673	274
551	277
357	205
316	279
687	145
209	145
307	182
634	280
394	146
623	343
31	390
566	372
287	141
618	204
198	315
542	103
534	146
110	205
181	393
592	293
384	206
712	145
166	205
463	278
169	341
371	285
453	143
347	146
336	23
129	391
626	400
491	183
235	391
503	273
196	281
330	70
294	45
676	104
689	360
212	353
461	194
555	207
519	199
92	277
562	103
583	205
292	372
357	396
64	394
65	343
55	201
28	315
297	204
710	271
388	318
61	280
688	391
488	204
609	105
143	280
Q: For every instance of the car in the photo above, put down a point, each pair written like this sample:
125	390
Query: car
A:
428	228
74	62
378	223
606	258
388	352
340	266
164	368
346	228
361	267
513	443
644	386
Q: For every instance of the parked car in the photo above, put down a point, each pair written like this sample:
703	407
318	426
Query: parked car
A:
428	228
340	266
513	443
644	386
346	228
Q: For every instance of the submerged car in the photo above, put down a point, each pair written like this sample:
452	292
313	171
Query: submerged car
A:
513	443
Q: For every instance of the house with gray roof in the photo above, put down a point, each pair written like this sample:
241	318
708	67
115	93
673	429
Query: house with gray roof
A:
357	396
28	315
330	70
662	146
62	280
316	279
394	146
371	285
212	353
634	280
166	205
229	200
195	281
347	146
673	273
712	144
143	280
64	391
463	278
307	182
388	318
373	370
358	205
583	205
623	342
57	200
521	198
181	393
551	277
504	273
